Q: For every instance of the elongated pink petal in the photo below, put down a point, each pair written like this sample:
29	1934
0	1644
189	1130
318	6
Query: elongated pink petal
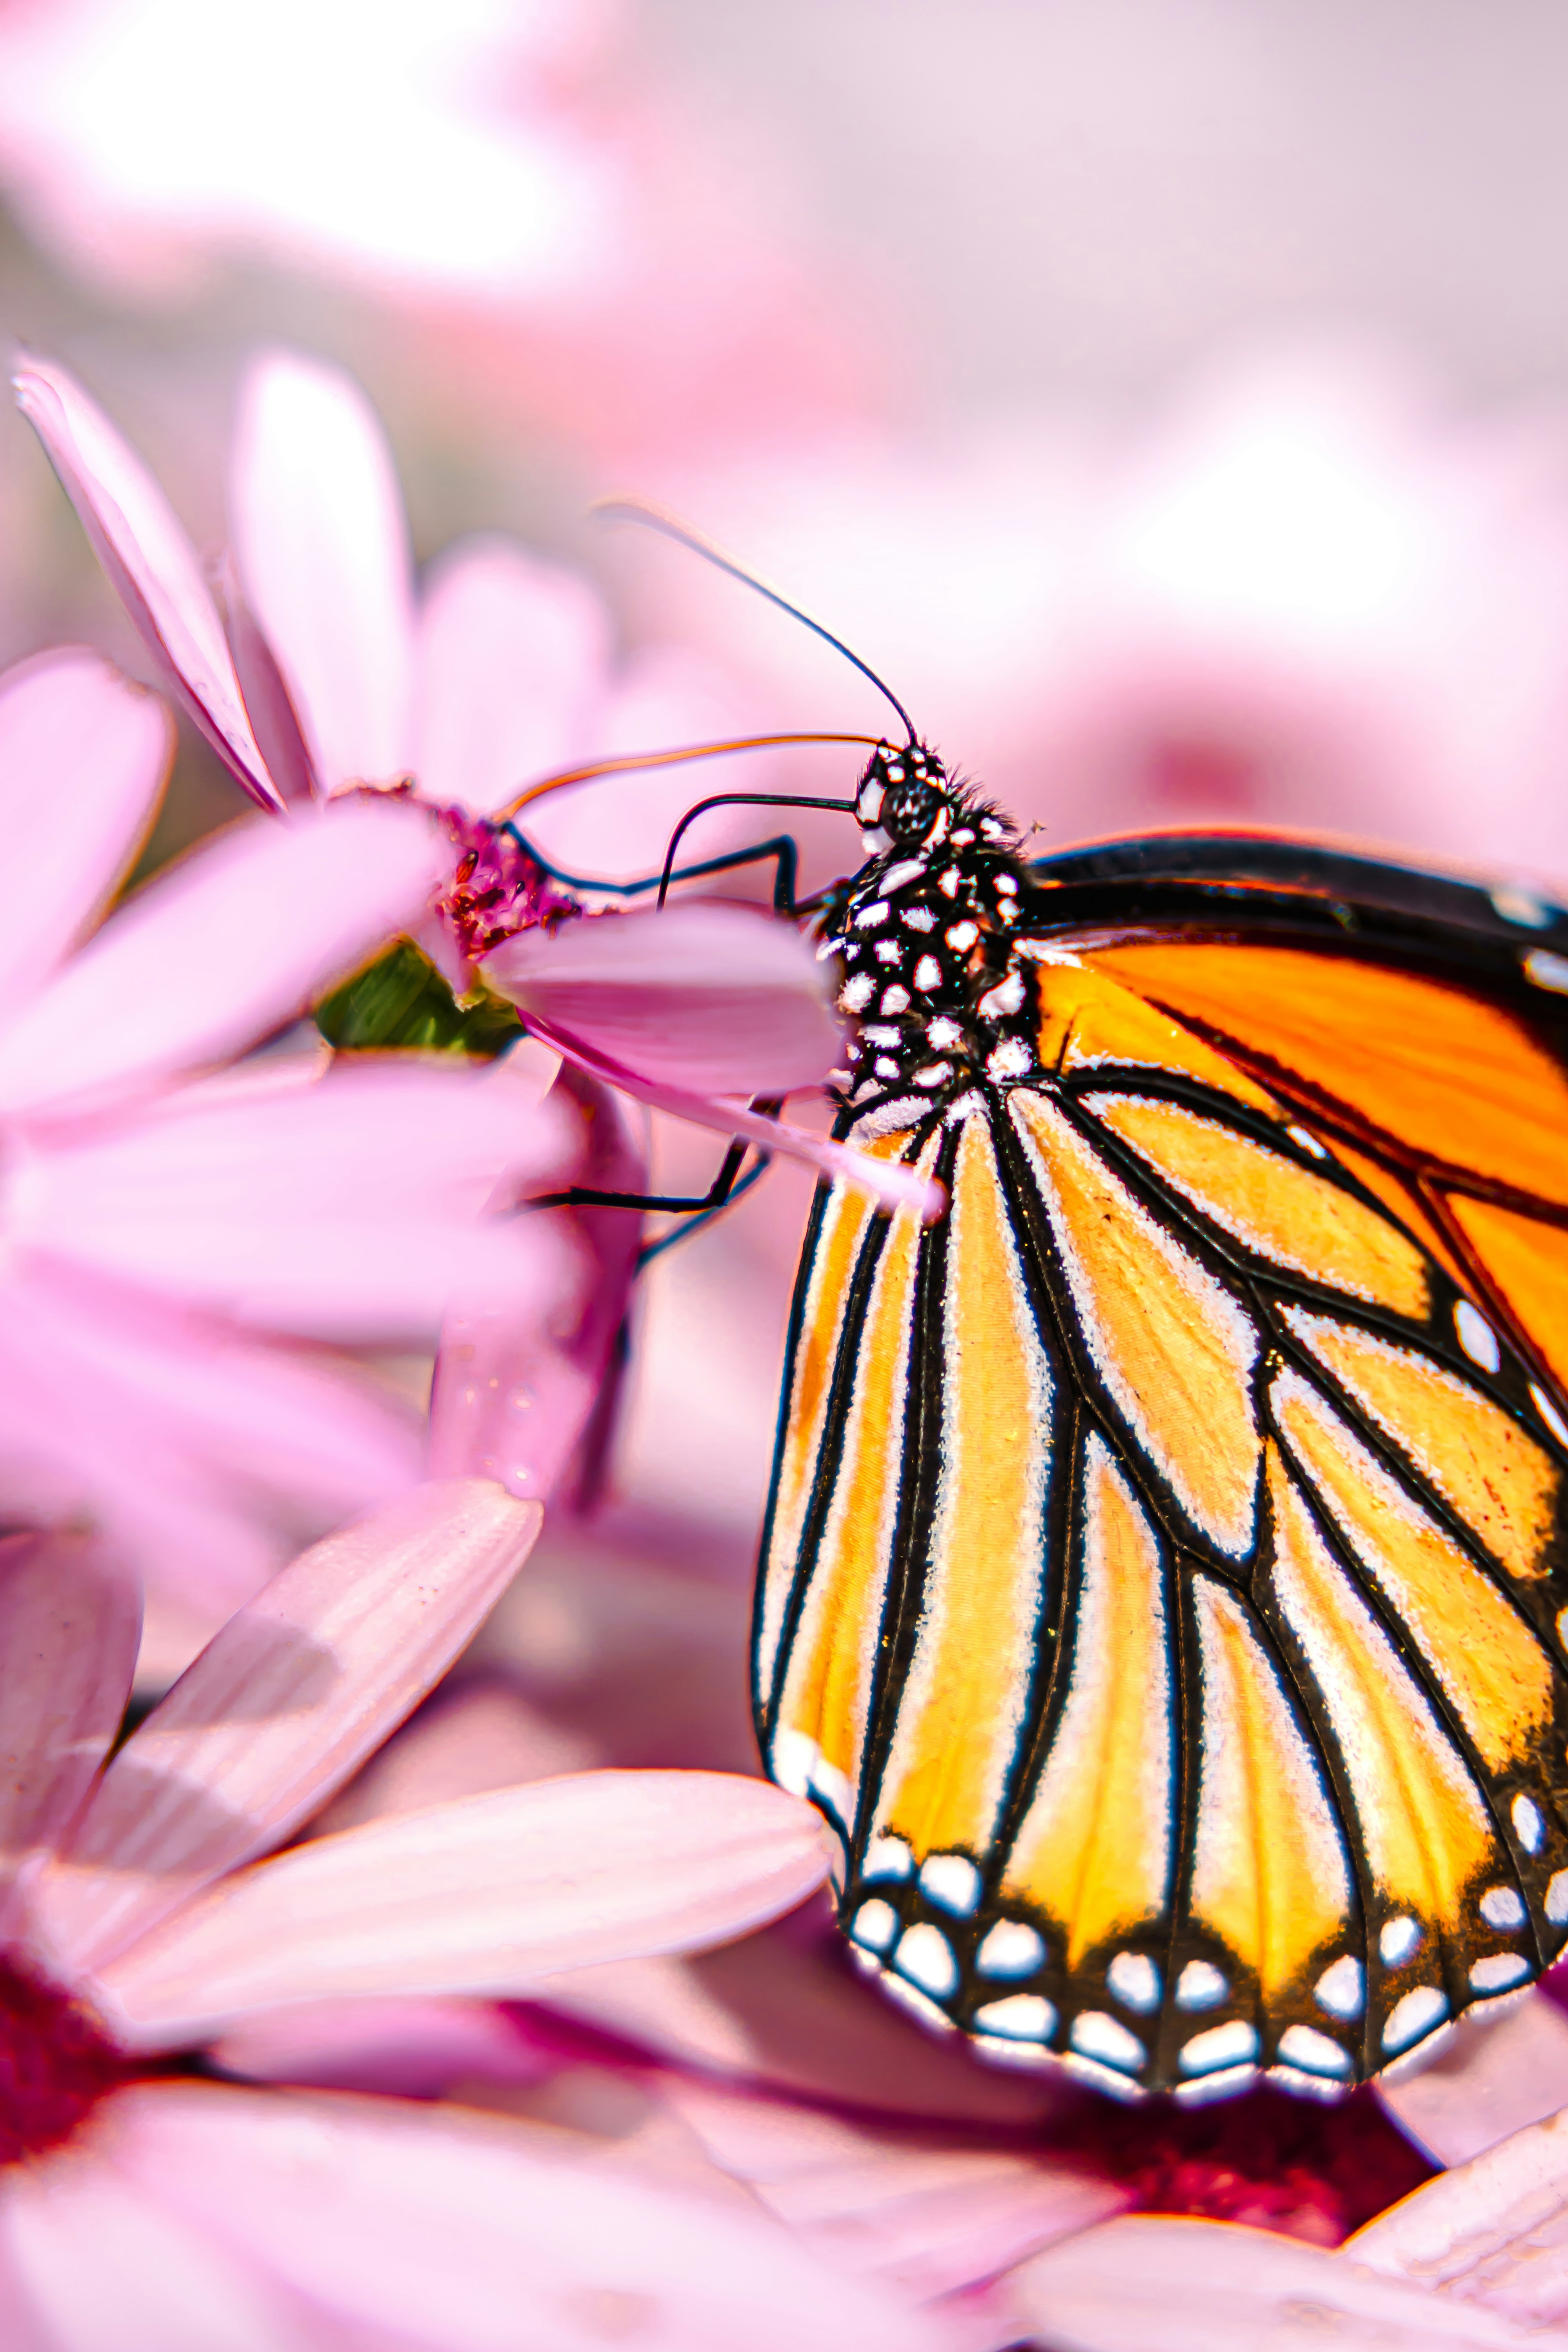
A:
212	956
714	999
277	1712
777	2012
931	2216
143	548
466	2235
886	1180
515	1397
322	552
1490	2233
106	2265
488	1894
513	659
194	1448
69	1624
267	698
416	2047
346	1210
1149	2285
83	755
1492	2076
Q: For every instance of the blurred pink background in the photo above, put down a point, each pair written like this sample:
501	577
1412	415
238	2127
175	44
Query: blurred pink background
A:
1168	400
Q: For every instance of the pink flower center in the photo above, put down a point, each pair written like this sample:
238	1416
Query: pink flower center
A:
497	887
1277	2163
55	2065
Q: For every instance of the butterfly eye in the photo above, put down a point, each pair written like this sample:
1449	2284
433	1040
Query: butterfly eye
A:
909	808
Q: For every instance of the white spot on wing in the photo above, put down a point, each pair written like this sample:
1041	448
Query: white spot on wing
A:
1100	2035
1304	2046
1397	1940
1501	1907
1340	1989
1135	1980
1549	1414
1498	1971
1477	1336
1415	2016
1231	2045
1022	2017
1547	970
1011	1949
1527	1825
952	1880
1517	905
795	1758
1557	1897
925	1956
888	1857
1200	1985
875	1925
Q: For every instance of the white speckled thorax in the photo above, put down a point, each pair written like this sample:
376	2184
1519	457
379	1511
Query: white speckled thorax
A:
932	980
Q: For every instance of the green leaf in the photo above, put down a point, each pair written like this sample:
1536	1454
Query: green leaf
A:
400	999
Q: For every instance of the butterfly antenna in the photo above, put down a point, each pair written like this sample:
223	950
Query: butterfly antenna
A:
651	519
634	762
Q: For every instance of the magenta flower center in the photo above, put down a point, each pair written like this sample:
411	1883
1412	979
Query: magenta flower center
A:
497	887
55	2065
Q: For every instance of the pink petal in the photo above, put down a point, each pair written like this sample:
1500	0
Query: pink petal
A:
1153	2285
462	2235
417	2048
886	1181
143	548
69	1624
929	2217
83	756
1492	2076
348	1209
488	1894
195	1449
215	954
267	698
322	552
513	655
777	2008
1490	2234
714	999
105	2265
514	1397
277	1712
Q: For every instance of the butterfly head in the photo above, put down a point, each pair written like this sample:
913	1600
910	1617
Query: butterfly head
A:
904	800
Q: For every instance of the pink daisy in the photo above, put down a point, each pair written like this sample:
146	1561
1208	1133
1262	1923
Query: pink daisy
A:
182	1238
320	667
141	2204
1004	2211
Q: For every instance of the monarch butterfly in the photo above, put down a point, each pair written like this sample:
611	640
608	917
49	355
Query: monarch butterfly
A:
1163	1577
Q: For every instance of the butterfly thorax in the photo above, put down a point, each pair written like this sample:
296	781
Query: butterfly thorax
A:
926	935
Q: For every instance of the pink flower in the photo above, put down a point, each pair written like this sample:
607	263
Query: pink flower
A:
325	675
140	2206
884	2149
324	669
180	1242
